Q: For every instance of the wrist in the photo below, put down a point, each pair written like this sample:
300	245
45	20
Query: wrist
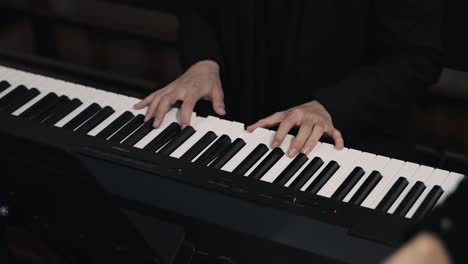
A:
431	247
205	66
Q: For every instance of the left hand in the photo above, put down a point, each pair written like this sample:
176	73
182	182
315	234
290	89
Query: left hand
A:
313	121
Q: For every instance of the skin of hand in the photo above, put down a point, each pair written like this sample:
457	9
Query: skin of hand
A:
200	81
313	121
425	248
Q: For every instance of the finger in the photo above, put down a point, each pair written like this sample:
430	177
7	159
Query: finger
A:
152	107
143	103
164	106
313	139
338	138
284	128
300	140
186	112
218	101
270	121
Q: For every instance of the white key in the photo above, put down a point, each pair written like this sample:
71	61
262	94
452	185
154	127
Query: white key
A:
422	174
388	173
320	150
346	166
437	178
170	117
104	124
72	115
200	131
450	185
282	163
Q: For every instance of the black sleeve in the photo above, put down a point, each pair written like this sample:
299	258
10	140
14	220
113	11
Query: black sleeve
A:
408	51
449	223
197	34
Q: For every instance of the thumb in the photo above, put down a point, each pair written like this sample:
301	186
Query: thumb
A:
218	101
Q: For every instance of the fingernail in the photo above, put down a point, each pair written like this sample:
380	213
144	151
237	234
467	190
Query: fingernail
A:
275	144
292	152
306	150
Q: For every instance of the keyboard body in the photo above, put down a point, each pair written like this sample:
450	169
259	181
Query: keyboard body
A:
223	214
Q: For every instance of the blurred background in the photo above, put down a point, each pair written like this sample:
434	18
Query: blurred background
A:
136	38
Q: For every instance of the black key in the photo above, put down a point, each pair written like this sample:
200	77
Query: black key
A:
307	173
140	133
62	102
323	177
198	147
392	194
18	92
178	140
62	112
115	125
43	107
408	202
429	202
128	129
267	163
228	153
353	178
12	107
165	136
291	169
96	120
214	150
251	159
82	117
4	85
366	188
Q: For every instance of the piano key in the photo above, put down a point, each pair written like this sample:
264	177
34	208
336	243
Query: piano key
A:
355	175
228	153
369	162
323	177
7	91
366	188
40	107
291	169
437	178
213	151
111	128
199	146
140	133
30	103
320	150
282	163
164	137
410	199
82	117
392	194
4	85
58	106
429	202
171	117
201	130
62	112
178	140
388	173
266	164
96	120
251	160
128	129
18	92
307	173
421	174
72	114
407	169
450	185
47	108
30	94
347	160
252	140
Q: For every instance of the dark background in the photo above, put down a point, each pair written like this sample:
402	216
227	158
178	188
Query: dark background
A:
136	38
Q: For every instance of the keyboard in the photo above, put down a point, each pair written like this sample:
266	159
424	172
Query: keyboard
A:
340	195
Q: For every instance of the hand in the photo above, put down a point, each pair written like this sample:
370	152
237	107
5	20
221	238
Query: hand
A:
313	120
424	249
201	81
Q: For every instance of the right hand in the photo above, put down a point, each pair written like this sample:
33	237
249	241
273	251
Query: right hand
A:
200	81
